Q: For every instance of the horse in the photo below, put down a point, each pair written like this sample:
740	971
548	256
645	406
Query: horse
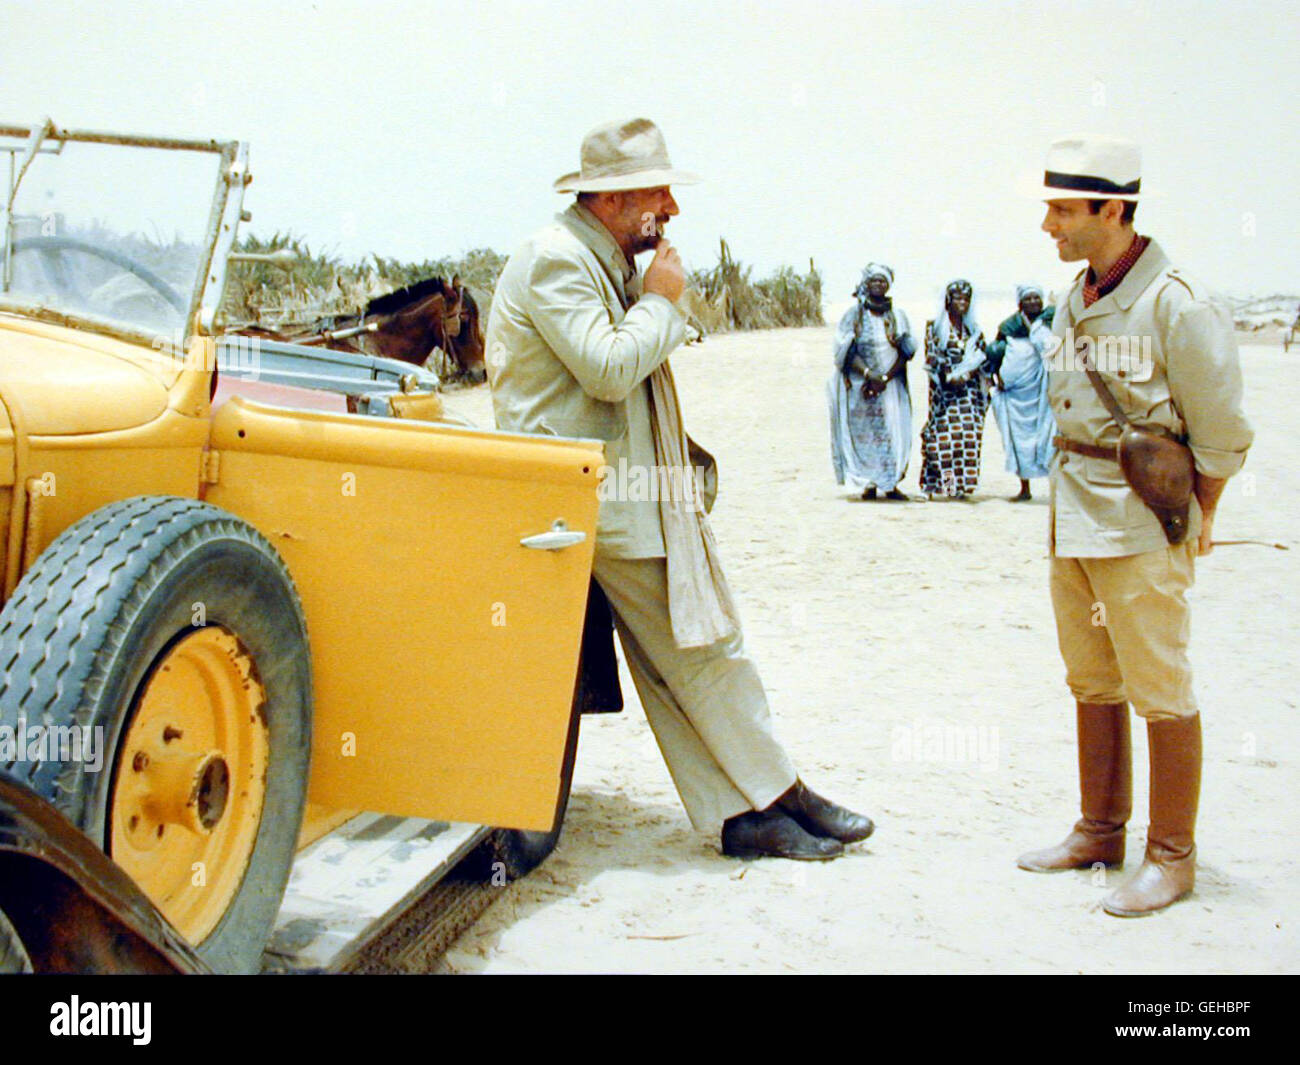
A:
411	324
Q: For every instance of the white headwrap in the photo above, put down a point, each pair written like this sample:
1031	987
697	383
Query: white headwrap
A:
873	270
1028	290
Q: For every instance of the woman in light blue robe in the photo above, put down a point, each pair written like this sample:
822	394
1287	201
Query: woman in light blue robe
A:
870	409
1020	404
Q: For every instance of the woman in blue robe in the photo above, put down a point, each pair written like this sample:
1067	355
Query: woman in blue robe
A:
1015	363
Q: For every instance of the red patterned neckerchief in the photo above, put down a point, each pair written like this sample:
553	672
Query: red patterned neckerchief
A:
1093	290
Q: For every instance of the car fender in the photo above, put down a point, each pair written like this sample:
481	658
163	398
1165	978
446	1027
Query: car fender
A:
73	908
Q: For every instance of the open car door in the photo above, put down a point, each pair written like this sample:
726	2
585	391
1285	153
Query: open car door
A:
443	573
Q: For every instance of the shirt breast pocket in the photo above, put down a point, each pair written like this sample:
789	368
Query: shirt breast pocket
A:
1132	399
1146	404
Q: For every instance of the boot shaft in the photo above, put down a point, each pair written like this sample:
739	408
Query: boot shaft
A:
1175	755
1105	765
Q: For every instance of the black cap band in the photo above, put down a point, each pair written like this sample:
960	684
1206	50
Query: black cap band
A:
1084	183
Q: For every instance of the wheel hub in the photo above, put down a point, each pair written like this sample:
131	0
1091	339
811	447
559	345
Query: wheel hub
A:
213	790
191	779
179	788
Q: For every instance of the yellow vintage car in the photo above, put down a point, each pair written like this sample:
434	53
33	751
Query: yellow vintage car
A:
219	616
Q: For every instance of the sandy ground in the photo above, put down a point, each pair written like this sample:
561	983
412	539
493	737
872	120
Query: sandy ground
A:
881	630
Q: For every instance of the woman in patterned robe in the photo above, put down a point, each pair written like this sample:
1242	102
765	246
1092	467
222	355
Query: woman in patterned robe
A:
870	409
954	361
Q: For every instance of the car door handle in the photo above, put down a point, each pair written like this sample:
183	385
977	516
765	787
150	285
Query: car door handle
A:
560	537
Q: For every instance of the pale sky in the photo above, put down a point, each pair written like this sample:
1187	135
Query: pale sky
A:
841	132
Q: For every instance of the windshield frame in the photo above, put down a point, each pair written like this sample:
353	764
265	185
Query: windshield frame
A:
217	242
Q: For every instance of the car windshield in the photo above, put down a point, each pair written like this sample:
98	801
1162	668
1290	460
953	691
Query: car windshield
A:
111	234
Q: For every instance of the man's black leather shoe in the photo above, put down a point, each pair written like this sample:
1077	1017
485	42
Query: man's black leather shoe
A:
771	833
823	818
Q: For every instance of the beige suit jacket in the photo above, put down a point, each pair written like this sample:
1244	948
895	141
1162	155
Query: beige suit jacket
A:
1166	348
570	343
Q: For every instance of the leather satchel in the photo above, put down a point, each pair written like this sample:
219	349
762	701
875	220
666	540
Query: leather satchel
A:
1160	469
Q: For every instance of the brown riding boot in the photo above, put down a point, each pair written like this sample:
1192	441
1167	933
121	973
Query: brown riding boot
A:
1168	872
1106	788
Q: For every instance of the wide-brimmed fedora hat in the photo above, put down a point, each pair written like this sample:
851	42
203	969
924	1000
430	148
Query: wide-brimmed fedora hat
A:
1090	168
624	155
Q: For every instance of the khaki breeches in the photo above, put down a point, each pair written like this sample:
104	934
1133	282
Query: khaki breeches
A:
1123	625
706	705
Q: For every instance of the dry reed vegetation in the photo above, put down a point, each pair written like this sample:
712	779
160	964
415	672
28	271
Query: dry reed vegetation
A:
322	286
724	298
317	286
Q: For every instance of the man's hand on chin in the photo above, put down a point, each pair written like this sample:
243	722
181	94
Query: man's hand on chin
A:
665	275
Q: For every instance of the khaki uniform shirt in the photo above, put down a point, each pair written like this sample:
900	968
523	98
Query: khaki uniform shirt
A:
570	343
1165	347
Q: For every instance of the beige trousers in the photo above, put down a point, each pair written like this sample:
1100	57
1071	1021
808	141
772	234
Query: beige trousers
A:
1123	625
706	705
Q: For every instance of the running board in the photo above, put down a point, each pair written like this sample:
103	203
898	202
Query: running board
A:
349	887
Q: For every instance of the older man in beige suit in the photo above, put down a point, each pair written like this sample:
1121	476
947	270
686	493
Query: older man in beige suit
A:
577	345
1163	348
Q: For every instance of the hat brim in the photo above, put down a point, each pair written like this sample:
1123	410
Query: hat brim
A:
640	179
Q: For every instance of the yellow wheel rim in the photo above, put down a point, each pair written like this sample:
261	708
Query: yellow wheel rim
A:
191	780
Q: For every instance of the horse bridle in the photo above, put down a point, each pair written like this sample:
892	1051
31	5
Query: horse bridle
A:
453	316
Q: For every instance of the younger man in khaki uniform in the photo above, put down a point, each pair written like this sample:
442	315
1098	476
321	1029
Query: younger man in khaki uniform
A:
1165	349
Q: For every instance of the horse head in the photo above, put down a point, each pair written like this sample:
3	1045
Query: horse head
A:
467	342
407	323
430	314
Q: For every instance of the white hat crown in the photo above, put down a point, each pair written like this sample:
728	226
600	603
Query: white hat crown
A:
1092	167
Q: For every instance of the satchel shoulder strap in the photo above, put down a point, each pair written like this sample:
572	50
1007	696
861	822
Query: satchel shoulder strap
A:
1104	393
1094	378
